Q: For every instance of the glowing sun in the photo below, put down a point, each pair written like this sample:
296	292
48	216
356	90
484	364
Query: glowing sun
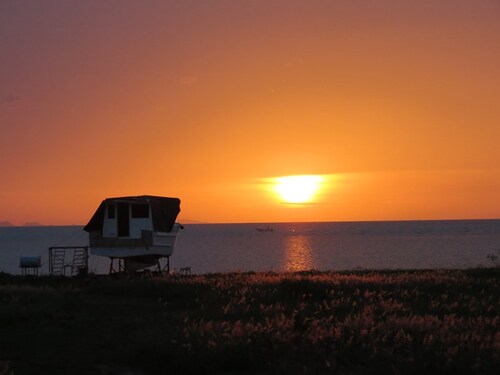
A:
298	189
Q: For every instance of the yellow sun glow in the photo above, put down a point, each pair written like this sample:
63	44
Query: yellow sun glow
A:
298	189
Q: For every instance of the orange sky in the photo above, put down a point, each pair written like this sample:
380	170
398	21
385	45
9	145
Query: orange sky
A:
396	103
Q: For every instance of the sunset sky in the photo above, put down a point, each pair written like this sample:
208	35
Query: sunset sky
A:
393	105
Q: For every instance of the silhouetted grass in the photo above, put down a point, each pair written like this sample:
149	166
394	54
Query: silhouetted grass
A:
386	322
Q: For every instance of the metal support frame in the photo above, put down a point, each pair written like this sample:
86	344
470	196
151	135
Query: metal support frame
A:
25	271
74	258
161	269
167	266
120	266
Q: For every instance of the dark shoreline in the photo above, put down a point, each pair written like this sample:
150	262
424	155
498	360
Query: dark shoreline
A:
359	322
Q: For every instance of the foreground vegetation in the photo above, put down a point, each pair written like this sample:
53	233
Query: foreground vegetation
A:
388	322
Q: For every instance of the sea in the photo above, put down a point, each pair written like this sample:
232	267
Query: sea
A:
210	248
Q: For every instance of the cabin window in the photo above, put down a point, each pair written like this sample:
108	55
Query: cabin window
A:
140	211
111	211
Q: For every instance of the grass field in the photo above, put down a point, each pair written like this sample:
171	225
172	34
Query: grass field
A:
385	322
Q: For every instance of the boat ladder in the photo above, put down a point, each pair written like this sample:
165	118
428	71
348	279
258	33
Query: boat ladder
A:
80	261
57	262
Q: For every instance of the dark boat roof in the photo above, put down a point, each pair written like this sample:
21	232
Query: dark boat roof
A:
164	211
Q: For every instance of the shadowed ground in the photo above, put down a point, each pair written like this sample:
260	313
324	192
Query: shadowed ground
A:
383	322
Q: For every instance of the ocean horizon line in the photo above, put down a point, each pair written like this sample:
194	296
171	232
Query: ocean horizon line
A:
193	222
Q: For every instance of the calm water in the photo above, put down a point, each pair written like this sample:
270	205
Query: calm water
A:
290	246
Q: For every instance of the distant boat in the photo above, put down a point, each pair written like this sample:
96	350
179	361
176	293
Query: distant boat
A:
265	229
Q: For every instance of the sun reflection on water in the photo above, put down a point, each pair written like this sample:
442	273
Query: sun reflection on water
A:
298	253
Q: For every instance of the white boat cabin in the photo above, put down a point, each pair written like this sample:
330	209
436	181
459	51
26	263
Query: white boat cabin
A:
137	229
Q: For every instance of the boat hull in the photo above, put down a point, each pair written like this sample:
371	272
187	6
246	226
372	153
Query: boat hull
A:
125	252
160	244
